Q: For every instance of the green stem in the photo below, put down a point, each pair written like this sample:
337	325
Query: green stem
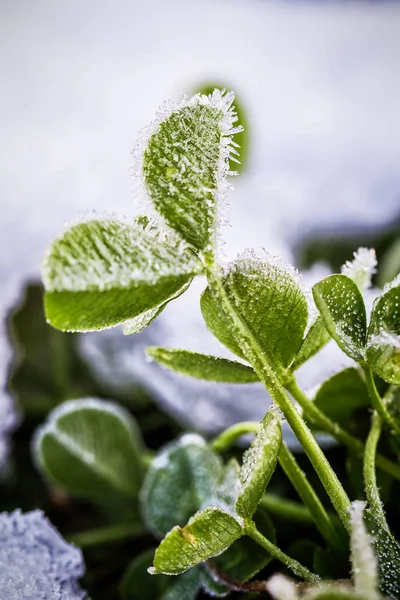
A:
286	509
292	564
260	364
371	487
311	500
105	535
227	438
378	403
319	419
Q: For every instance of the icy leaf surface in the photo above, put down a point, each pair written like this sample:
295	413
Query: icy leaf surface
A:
203	366
208	533
267	295
342	308
383	340
91	448
186	161
36	562
179	481
316	338
103	272
259	463
387	553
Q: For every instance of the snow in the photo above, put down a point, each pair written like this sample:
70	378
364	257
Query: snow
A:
321	83
36	563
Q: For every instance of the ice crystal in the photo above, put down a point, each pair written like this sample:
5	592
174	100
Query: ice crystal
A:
365	569
36	563
282	588
361	268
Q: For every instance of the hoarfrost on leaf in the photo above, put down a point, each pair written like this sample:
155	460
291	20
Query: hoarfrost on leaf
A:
365	569
36	563
185	163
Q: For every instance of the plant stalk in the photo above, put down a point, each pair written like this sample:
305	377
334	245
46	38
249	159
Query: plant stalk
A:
378	403
292	564
260	364
371	487
315	415
105	535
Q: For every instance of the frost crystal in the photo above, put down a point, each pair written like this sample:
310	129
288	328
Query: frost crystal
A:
36	563
282	588
365	570
361	269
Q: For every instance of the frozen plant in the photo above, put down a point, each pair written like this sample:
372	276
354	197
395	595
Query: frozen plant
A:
36	563
104	272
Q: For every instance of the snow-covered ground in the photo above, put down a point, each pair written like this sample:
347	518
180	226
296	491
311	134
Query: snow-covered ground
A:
320	81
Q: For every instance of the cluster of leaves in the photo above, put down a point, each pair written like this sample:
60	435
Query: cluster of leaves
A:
212	514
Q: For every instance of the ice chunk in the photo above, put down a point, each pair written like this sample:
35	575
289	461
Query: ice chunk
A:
36	563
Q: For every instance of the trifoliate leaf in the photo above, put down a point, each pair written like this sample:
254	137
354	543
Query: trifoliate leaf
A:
316	338
203	366
185	164
342	308
268	298
91	449
341	395
179	481
207	534
259	463
383	339
104	272
217	322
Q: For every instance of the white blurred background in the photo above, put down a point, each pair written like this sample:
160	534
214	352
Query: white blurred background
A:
321	86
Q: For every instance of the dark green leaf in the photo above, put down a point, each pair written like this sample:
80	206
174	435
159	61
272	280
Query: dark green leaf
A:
217	322
138	584
342	308
207	534
203	366
342	395
104	272
180	479
186	162
259	463
46	369
91	449
383	341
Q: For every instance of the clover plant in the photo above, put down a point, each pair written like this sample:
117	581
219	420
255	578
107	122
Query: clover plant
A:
210	514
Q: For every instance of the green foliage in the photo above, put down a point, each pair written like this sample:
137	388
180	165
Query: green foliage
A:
259	463
103	272
383	341
342	308
185	162
342	395
203	366
208	533
179	481
107	272
91	449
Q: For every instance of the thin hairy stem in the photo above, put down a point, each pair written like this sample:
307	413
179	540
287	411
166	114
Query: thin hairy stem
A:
319	419
308	495
371	487
378	403
292	564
